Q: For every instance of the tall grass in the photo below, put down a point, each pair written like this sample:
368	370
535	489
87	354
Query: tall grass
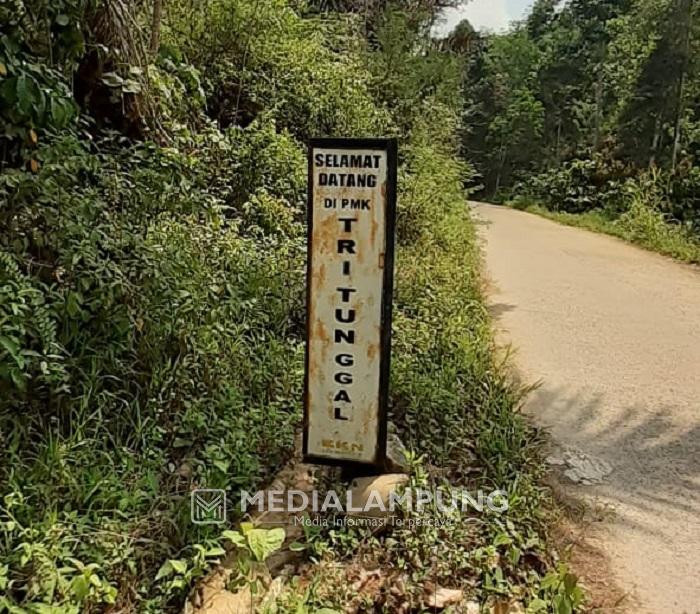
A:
642	222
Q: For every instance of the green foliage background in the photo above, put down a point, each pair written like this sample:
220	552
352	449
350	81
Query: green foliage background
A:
152	257
152	270
583	104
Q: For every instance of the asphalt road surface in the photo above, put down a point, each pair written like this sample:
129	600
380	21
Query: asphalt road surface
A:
612	332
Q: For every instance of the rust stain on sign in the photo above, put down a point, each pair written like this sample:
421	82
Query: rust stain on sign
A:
351	216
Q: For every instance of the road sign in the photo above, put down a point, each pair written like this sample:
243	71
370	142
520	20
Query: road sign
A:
351	213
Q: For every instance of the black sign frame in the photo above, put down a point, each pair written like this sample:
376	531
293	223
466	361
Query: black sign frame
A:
390	146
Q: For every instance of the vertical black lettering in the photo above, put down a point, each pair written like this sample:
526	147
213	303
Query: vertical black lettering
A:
345	360
345	293
346	245
344	336
345	319
347	223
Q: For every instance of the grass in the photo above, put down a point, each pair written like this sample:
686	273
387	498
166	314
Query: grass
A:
207	359
642	224
456	409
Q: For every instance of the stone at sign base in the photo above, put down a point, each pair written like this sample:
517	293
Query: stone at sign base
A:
439	597
225	602
370	490
396	454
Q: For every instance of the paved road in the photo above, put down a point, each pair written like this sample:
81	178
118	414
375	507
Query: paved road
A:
613	333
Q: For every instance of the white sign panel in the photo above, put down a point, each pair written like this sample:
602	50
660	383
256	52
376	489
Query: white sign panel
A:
350	274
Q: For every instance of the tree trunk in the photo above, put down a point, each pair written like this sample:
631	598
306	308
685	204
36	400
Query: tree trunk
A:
155	27
657	139
501	166
598	111
680	107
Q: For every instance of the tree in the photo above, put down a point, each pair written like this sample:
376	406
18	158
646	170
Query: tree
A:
463	39
504	98
372	10
155	26
650	122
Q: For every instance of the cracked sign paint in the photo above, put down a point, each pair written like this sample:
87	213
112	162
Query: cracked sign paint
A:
349	293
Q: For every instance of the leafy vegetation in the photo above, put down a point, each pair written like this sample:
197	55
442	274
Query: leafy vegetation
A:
445	383
152	195
585	104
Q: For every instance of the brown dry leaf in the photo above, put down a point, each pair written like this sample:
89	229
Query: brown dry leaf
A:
33	137
226	602
34	165
3	70
368	581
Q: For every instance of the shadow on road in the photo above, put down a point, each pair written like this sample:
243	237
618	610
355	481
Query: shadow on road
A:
656	466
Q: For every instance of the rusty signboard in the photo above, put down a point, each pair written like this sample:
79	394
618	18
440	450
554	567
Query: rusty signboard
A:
351	212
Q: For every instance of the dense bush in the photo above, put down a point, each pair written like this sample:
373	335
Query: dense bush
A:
646	220
152	311
582	186
444	366
151	289
310	75
682	198
35	64
577	186
142	319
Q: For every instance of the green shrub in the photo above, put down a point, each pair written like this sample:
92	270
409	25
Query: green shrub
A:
35	66
444	368
151	341
646	224
682	201
577	186
310	75
151	294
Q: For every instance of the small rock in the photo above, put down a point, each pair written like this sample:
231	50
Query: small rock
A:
555	460
226	602
396	454
585	469
439	597
507	607
372	494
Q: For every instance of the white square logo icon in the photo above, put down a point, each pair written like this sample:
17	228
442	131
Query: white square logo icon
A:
208	506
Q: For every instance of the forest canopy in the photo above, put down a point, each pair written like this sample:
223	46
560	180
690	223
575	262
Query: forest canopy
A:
584	99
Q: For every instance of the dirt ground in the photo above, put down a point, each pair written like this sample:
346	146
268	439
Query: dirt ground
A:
612	335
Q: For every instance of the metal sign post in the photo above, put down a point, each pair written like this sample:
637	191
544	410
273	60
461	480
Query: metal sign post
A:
351	213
